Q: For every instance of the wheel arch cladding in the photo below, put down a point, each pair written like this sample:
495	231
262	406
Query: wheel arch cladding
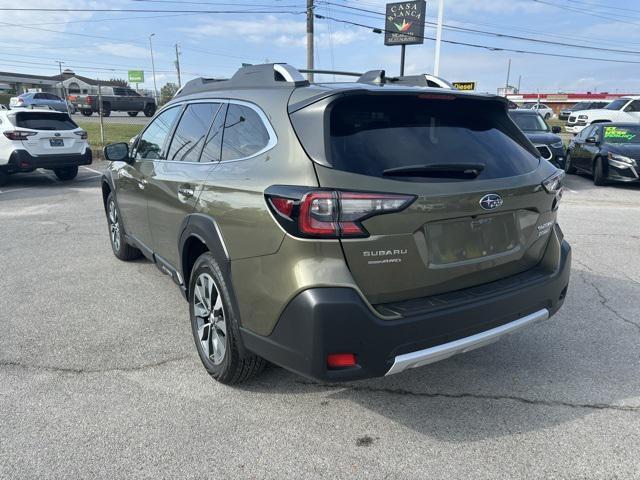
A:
200	233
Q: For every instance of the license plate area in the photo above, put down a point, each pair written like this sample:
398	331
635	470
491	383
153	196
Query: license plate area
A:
472	238
56	142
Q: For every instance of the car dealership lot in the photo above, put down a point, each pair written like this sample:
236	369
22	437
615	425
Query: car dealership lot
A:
99	376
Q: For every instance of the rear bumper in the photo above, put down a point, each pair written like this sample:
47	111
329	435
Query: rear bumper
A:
21	160
322	321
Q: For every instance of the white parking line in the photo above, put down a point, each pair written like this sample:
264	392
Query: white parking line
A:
92	170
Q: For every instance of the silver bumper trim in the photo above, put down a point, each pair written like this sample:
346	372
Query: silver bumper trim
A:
446	350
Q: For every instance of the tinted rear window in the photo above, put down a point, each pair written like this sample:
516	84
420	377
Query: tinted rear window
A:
44	121
369	134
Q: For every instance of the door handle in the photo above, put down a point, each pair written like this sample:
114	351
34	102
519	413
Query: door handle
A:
185	191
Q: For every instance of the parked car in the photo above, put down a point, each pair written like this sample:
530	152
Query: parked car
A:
38	100
545	139
623	109
566	113
116	99
607	151
41	139
545	111
341	231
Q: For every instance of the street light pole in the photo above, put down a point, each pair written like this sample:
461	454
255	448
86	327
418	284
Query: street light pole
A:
153	69
436	66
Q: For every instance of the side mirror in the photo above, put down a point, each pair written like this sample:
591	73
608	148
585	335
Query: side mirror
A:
593	140
556	129
117	152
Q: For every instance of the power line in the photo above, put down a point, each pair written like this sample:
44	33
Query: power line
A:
141	10
486	47
503	35
587	12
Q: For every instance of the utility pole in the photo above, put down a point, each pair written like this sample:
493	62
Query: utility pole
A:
436	67
153	69
506	85
519	80
310	39
64	94
178	66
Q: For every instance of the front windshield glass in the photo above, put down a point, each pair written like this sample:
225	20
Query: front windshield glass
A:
528	122
629	134
580	106
617	104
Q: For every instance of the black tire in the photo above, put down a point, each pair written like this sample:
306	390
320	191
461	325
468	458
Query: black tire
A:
106	110
230	367
86	112
121	249
568	167
132	114
4	178
149	110
599	177
66	173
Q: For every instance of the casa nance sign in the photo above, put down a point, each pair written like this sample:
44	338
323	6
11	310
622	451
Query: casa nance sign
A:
404	23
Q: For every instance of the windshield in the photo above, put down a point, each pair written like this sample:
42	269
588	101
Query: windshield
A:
370	134
580	106
528	122
617	104
629	134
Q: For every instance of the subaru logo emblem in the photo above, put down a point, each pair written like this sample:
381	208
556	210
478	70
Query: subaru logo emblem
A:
57	134
490	201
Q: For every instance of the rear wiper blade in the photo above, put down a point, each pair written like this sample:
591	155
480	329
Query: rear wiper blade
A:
437	170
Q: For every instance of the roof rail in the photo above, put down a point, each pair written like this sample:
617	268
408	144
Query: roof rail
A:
264	75
282	74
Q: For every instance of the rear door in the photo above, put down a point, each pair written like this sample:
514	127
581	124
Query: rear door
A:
579	153
177	180
463	229
53	133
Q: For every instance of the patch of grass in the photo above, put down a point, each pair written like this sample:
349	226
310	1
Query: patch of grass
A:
113	132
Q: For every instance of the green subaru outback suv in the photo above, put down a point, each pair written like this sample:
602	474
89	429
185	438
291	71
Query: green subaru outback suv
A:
340	230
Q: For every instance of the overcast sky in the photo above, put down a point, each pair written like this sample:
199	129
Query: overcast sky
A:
215	45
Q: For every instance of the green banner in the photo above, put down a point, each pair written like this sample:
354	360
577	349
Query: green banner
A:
136	76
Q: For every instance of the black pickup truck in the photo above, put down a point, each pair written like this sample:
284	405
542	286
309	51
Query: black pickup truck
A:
116	99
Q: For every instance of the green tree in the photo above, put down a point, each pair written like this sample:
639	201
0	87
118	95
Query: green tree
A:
120	82
167	92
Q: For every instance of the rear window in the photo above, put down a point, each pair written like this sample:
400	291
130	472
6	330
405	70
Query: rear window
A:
44	121
370	134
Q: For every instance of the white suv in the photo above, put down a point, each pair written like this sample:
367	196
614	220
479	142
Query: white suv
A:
41	139
624	109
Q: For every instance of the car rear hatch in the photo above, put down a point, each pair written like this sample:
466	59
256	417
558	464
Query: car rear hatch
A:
478	210
50	133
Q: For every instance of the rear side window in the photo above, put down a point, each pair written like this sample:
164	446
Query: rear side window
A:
370	134
213	144
44	121
244	133
191	131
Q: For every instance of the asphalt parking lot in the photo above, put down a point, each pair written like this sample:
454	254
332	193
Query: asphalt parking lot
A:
99	377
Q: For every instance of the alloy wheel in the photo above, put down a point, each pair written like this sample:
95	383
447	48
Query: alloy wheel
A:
114	225
210	318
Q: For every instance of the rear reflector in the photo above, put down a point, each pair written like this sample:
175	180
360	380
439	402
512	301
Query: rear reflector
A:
341	360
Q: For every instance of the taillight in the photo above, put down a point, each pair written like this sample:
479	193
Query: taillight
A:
83	135
18	134
89	99
330	213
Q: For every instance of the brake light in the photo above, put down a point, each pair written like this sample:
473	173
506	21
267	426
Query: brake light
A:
330	213
89	99
83	135
18	134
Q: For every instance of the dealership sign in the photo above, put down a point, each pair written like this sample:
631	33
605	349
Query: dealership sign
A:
136	76
404	24
465	86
